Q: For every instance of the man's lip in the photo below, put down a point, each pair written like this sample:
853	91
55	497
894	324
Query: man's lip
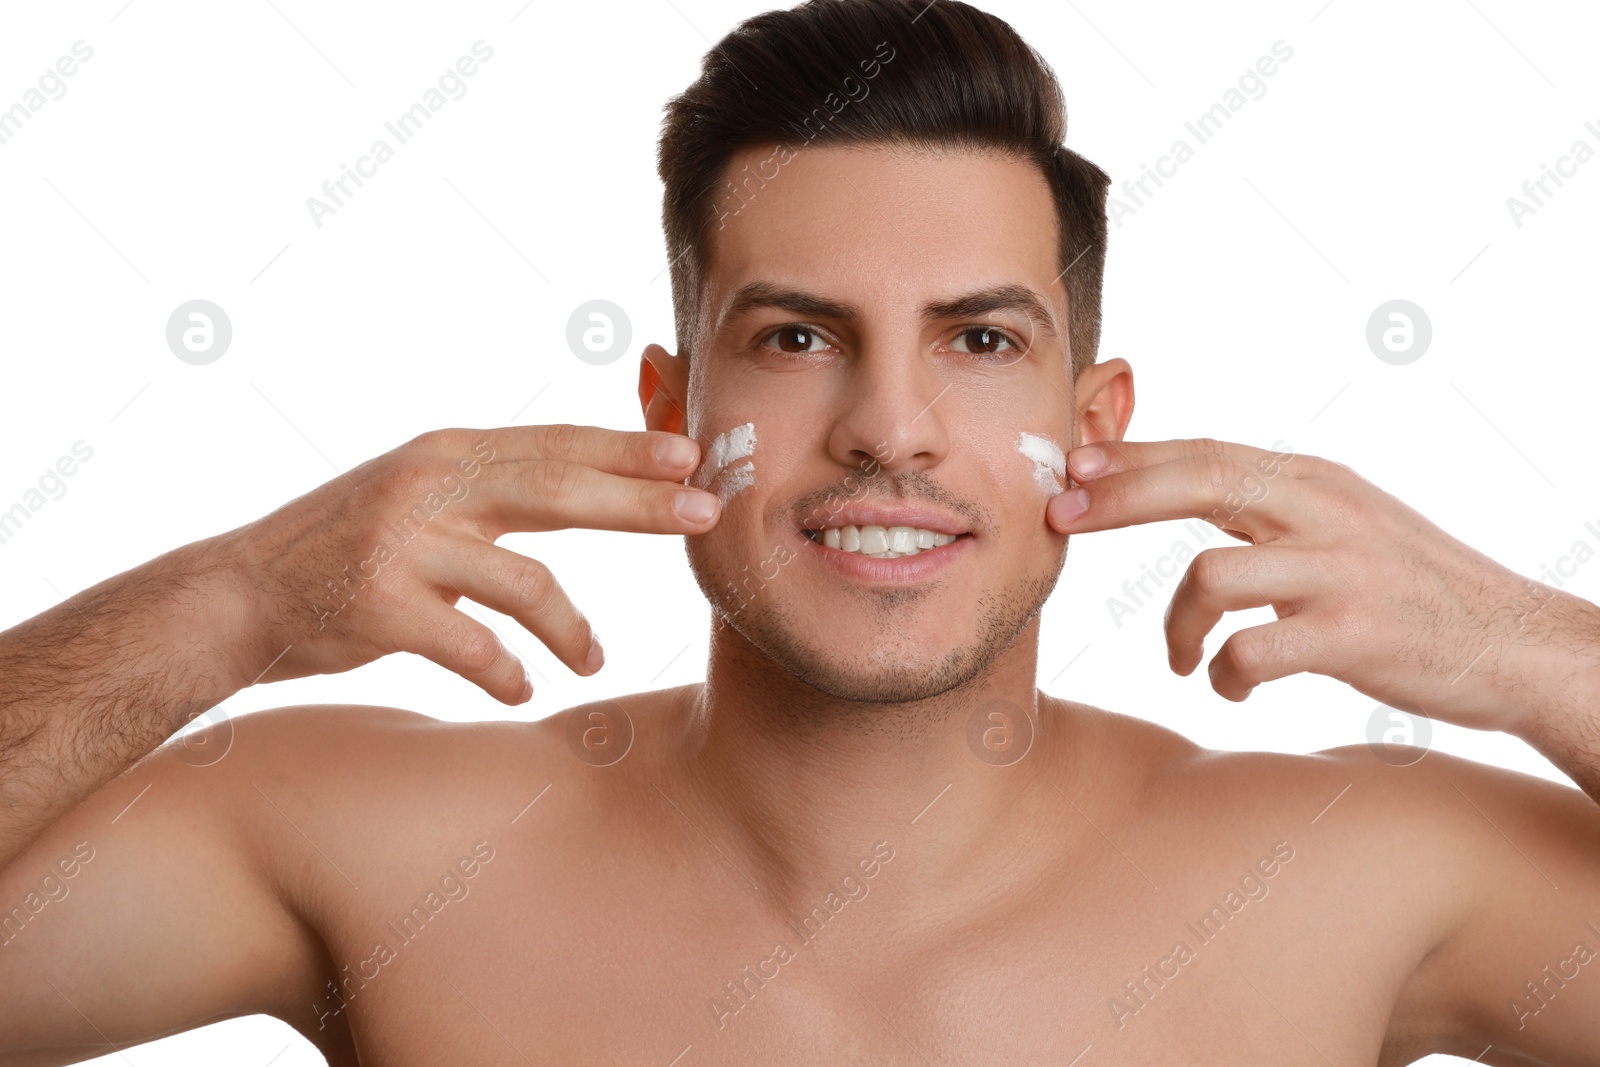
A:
925	518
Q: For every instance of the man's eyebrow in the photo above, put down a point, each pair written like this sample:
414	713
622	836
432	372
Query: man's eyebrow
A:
1011	297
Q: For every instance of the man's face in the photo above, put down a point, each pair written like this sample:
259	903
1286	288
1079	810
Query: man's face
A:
883	401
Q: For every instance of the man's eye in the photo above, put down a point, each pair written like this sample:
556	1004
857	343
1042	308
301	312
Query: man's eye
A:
986	340
795	339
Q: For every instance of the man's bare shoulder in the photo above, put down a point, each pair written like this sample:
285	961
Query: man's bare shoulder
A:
1422	835
1379	785
1372	812
384	765
348	753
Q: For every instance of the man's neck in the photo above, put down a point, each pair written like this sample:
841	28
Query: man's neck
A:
810	783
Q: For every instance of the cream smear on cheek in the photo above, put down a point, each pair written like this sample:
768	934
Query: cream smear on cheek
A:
1049	462
721	467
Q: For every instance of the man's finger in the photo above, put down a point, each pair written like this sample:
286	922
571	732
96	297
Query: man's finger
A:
1230	493
1259	654
524	589
552	494
630	453
469	648
1100	458
1220	580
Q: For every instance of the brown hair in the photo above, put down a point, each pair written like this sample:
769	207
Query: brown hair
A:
928	74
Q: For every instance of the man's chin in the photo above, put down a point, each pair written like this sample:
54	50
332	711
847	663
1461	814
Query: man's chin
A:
884	677
892	668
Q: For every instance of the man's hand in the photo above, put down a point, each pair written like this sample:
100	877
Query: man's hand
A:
374	561
1366	590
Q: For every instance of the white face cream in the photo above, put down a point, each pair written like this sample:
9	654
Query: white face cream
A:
1049	462
721	467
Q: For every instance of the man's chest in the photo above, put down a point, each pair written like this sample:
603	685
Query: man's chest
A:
679	971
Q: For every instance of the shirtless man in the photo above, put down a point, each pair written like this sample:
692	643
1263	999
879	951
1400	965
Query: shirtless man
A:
867	836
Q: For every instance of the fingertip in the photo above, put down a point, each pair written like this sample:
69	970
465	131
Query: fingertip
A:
677	452
1067	507
1086	461
695	506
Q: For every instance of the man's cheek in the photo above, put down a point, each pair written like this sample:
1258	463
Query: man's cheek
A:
1046	460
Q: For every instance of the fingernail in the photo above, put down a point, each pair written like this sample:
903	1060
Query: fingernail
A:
675	451
597	656
527	689
1071	504
1086	461
694	506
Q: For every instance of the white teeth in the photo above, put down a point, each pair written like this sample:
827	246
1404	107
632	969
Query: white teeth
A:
882	542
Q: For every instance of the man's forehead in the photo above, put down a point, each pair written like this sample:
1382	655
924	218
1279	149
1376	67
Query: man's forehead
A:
850	229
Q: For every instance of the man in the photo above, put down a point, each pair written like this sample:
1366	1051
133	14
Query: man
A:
867	837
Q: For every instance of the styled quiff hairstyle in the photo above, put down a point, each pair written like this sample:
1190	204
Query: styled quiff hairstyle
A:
920	73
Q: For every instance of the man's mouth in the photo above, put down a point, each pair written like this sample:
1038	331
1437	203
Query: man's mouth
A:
881	542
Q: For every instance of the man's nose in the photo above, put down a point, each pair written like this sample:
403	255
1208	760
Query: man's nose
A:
891	413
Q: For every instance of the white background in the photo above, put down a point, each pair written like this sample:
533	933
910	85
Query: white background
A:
178	164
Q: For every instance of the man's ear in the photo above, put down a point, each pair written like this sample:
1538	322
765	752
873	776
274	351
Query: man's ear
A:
1104	397
663	384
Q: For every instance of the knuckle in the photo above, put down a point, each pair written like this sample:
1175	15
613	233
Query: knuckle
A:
533	586
1243	656
475	650
559	440
433	442
1207	446
557	479
652	499
1317	466
1207	572
1219	474
397	484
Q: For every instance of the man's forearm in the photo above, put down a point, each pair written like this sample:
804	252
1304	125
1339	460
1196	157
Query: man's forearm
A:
97	682
1563	712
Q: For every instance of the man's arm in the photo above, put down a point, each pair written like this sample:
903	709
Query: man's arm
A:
1565	728
161	903
1516	980
1366	590
371	563
103	678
